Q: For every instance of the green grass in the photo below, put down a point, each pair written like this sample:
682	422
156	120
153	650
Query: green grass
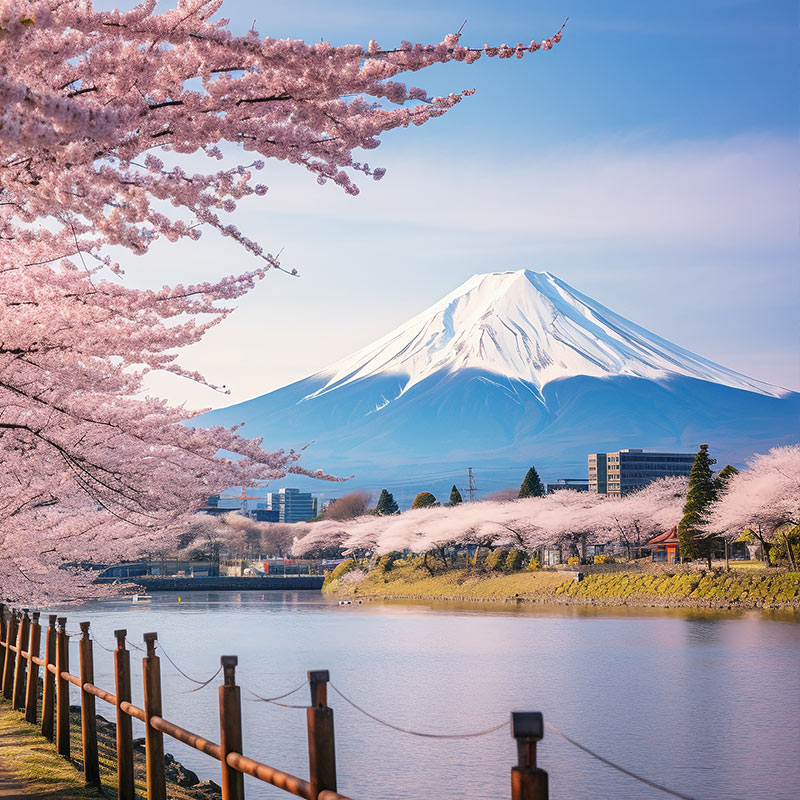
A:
33	761
748	588
409	581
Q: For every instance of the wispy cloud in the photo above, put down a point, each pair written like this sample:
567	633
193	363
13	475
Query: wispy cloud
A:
738	191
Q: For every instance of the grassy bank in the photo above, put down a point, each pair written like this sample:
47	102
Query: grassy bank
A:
693	589
32	761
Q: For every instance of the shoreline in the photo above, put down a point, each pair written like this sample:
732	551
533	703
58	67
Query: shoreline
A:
267	583
715	590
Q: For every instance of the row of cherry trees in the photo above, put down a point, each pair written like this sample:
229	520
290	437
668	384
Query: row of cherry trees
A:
561	517
764	498
99	111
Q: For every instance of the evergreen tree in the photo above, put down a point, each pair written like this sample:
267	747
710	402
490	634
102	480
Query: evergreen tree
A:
455	496
423	500
531	486
386	504
702	491
723	476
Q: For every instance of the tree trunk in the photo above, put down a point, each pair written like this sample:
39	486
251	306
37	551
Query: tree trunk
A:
789	553
426	564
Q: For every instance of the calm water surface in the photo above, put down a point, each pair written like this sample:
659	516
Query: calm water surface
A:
704	703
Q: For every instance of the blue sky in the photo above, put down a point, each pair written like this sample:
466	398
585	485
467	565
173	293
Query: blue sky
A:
650	160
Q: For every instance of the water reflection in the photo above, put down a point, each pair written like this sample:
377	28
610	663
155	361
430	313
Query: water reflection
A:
676	694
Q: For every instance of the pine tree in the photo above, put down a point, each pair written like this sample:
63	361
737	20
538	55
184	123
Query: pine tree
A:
455	496
386	504
531	486
723	476
423	500
702	491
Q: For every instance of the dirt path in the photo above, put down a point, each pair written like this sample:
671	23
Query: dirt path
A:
10	787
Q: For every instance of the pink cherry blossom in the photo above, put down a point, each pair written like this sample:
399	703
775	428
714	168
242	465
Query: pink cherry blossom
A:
99	111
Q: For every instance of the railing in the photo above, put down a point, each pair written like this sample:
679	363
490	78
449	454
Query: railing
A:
20	685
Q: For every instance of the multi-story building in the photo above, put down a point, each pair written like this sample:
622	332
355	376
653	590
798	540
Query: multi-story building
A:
624	471
284	505
597	473
575	484
292	505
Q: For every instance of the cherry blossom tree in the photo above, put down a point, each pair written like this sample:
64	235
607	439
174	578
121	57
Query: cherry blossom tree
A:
763	499
639	516
101	112
569	518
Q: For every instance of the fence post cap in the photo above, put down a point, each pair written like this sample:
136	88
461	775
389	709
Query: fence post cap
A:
527	725
62	622
319	676
229	669
150	641
52	618
84	628
36	615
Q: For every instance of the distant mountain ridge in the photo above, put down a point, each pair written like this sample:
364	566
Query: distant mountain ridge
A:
509	369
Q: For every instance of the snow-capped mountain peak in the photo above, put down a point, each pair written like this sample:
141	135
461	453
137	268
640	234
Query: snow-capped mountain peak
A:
530	327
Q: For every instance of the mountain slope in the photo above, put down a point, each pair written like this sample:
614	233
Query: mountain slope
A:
530	326
508	369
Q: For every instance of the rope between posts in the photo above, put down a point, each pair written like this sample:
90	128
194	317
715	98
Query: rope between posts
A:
627	772
98	642
503	724
201	684
274	700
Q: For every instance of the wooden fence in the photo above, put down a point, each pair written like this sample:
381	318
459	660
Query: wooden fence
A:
20	645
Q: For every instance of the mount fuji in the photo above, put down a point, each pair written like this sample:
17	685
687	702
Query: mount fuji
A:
512	369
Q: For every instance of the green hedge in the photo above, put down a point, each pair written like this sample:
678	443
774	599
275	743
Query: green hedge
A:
719	587
338	571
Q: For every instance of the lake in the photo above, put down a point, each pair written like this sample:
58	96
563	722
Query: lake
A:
704	703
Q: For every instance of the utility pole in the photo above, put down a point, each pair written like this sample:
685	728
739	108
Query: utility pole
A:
472	487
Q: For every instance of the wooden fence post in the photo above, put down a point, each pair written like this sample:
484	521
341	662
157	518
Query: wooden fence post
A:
527	781
122	677
32	689
154	740
321	746
23	633
62	689
3	642
49	687
230	729
8	662
91	763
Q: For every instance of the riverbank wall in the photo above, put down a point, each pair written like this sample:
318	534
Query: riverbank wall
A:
703	589
290	583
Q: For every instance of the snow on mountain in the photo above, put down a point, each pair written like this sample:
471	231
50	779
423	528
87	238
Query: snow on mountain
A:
526	326
511	368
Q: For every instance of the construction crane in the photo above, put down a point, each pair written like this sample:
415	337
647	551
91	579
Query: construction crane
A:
244	497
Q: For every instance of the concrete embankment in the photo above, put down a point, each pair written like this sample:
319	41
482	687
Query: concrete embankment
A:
291	583
680	589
